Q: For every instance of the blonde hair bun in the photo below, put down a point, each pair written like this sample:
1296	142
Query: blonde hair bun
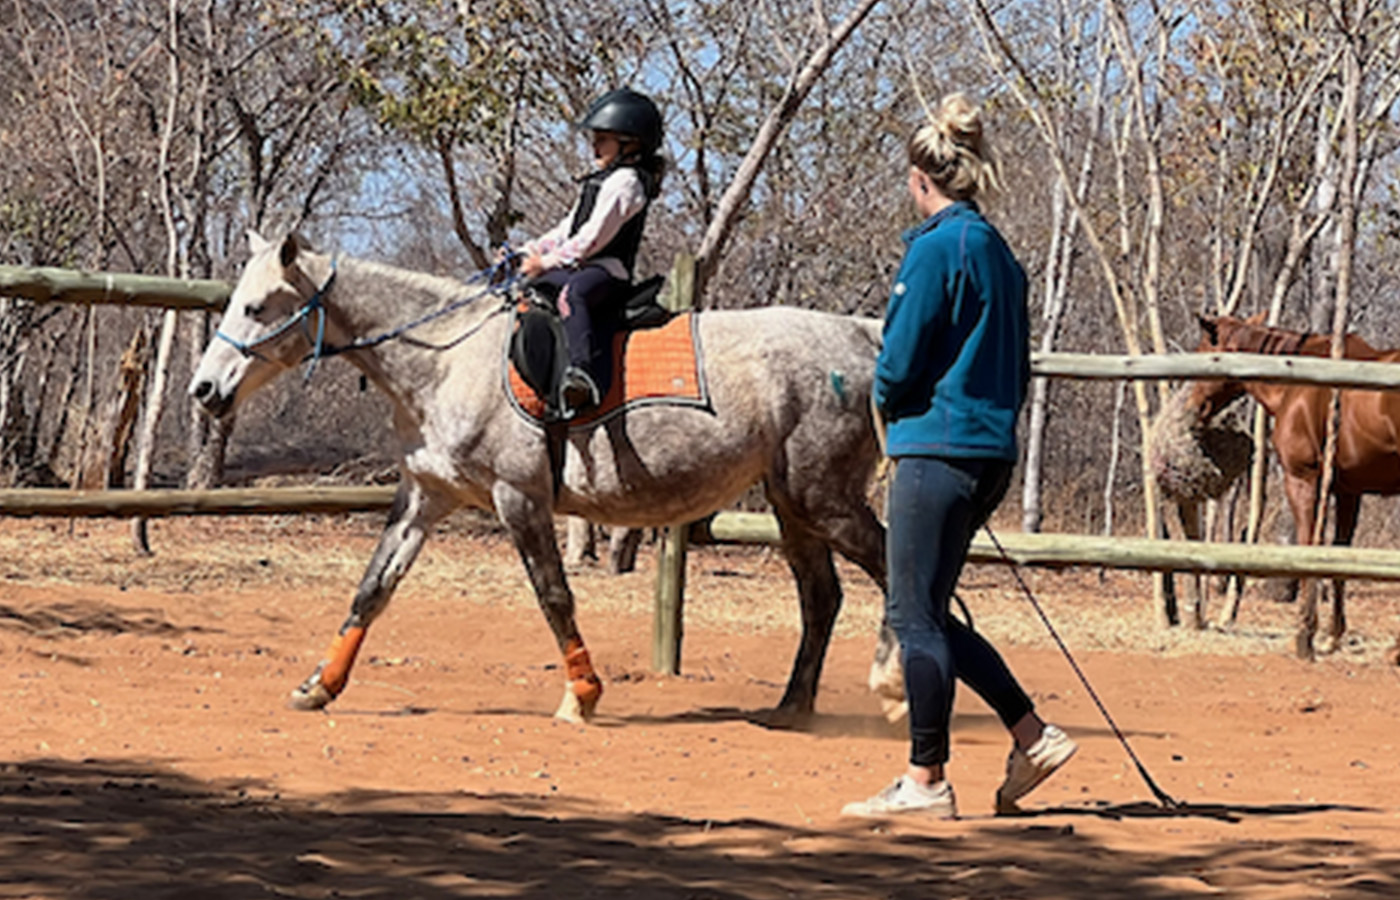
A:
952	149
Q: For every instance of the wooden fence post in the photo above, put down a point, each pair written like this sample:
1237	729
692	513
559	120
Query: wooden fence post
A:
669	615
668	622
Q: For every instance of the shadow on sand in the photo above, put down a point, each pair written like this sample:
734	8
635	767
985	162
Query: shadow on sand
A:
110	829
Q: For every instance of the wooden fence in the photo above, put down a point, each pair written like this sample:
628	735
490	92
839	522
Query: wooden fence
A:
1049	550
1043	550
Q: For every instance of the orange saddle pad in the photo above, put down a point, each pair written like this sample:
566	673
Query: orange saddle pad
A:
657	365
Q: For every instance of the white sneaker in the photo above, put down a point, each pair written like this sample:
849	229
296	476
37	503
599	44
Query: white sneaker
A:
906	796
1026	769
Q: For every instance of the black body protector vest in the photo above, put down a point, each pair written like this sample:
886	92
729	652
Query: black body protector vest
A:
628	240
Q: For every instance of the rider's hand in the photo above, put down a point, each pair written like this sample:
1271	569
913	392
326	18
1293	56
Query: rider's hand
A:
532	266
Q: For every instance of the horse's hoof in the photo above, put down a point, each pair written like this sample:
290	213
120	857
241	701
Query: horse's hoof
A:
886	679
785	718
573	710
895	711
308	699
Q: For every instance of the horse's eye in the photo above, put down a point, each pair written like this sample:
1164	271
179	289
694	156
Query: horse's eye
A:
253	310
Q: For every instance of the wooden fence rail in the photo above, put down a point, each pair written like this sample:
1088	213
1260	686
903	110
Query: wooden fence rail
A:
69	286
218	502
1065	550
1041	550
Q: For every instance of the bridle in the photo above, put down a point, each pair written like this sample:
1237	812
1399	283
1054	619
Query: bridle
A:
315	306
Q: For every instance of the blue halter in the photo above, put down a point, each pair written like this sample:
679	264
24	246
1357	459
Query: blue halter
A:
301	317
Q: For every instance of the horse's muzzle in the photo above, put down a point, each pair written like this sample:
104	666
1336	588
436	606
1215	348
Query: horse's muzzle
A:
214	403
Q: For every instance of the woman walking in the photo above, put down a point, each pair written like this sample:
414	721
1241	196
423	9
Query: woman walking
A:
949	383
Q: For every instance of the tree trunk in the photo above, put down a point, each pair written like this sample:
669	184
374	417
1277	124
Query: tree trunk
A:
14	315
207	466
155	406
104	458
731	204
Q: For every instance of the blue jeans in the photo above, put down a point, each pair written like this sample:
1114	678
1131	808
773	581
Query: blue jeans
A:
936	504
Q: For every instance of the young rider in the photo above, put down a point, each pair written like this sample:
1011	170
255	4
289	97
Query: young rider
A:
589	256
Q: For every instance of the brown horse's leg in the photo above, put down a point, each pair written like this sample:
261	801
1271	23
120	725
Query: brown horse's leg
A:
530	521
1302	499
1348	511
410	519
1189	515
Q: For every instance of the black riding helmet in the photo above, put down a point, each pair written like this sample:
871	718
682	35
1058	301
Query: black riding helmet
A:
626	112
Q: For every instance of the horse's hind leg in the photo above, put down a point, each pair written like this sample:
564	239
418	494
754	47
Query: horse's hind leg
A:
819	593
411	517
530	521
853	530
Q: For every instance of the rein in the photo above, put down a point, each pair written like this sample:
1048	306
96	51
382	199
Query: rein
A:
315	305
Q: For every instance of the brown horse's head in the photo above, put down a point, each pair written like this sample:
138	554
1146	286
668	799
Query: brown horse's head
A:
1226	333
1219	334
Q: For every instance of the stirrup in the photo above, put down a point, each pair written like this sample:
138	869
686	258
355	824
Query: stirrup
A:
577	392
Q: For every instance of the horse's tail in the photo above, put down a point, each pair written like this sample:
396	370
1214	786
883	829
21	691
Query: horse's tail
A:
874	330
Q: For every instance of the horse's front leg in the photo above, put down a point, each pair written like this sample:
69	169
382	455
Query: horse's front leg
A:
413	514
530	521
1302	499
1348	512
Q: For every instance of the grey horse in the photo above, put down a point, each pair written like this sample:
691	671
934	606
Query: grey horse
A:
788	389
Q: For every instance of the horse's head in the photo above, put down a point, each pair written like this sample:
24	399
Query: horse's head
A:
1218	335
273	320
1224	333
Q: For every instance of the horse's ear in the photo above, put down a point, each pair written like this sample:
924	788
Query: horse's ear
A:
1256	319
290	248
1209	326
256	242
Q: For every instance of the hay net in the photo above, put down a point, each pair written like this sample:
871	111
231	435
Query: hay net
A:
1194	460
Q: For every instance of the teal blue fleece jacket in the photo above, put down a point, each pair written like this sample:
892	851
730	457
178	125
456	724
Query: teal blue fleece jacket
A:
955	365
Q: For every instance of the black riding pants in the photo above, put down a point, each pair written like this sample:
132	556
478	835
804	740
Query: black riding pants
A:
587	297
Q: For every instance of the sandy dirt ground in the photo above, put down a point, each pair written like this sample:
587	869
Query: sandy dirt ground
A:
147	753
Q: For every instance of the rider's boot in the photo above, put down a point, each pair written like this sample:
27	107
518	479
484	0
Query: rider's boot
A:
578	392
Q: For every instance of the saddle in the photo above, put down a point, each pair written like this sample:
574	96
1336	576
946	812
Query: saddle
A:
538	349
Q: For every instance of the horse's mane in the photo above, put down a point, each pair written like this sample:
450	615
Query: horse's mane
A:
1248	337
1244	336
421	282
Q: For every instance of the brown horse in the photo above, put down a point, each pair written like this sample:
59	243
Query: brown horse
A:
1368	440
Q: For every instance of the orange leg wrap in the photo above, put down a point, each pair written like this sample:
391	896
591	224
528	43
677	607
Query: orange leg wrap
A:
578	668
339	658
